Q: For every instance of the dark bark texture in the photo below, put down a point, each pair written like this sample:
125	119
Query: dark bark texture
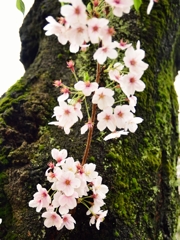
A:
139	169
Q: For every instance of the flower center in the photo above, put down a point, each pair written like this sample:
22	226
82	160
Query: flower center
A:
132	80
107	117
44	194
95	28
77	11
120	114
67	182
133	62
101	96
66	112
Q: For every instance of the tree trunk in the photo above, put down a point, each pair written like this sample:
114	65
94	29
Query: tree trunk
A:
139	169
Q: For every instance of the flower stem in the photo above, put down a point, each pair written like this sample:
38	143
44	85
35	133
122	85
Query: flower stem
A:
90	133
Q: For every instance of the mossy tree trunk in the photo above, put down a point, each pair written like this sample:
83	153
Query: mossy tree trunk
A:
139	169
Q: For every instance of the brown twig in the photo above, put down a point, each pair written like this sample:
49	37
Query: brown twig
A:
90	133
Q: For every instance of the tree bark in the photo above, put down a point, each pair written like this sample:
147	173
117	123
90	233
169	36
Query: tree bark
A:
139	169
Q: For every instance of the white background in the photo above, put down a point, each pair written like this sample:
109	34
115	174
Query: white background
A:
11	68
11	20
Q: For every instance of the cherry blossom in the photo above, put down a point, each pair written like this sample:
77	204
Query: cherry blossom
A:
86	87
0	220
89	171
65	94
52	219
99	217
130	83
41	199
131	124
106	119
77	36
114	73
120	6
103	97
67	183
67	202
107	34
107	50
133	60
95	25
53	27
53	175
123	45
66	116
68	221
99	188
59	156
122	114
70	165
75	13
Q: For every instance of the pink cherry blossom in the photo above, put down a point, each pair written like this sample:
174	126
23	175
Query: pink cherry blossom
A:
69	165
65	94
67	202
107	34
66	116
68	221
59	156
53	175
67	183
114	73
41	199
89	172
105	51
52	219
77	36
99	188
86	87
103	97
130	83
120	6
98	201
75	13
77	107
131	124
106	119
133	60
115	134
122	114
100	218
53	27
95	26
123	45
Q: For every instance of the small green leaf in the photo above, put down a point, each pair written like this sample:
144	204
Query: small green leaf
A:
20	6
137	4
86	76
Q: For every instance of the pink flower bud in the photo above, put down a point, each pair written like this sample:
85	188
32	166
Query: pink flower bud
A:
70	65
57	83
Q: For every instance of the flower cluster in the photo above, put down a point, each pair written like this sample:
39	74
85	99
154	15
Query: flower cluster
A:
113	115
72	183
79	26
